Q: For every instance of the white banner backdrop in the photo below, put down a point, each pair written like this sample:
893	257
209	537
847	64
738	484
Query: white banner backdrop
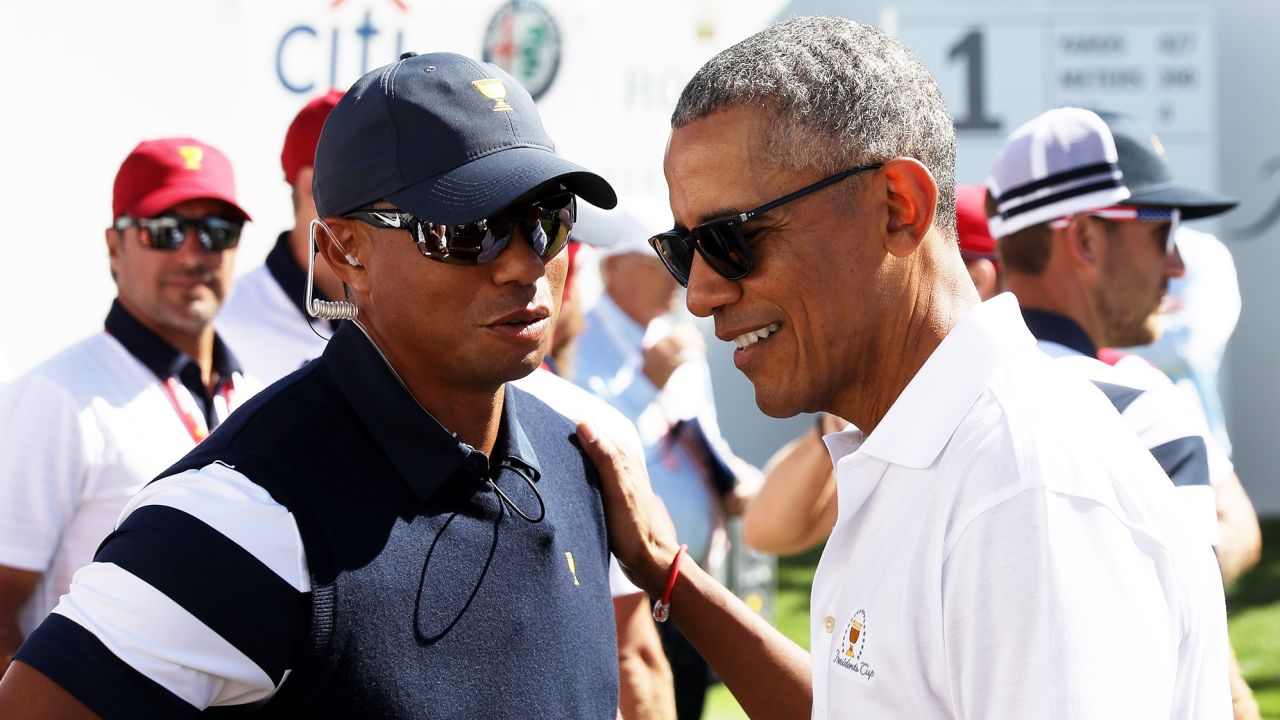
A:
85	81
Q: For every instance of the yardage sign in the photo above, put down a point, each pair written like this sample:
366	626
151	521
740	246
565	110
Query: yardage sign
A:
999	69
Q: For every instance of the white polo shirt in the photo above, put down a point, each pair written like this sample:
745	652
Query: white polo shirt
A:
1005	548
265	318
1167	423
79	435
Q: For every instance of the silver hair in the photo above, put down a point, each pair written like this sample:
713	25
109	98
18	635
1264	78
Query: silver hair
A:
842	94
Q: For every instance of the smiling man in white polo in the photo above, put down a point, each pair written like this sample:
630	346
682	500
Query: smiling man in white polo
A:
1004	547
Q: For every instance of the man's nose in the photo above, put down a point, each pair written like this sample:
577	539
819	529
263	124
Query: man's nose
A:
707	289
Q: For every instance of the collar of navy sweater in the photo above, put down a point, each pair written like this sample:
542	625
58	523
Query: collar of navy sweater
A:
166	361
1057	328
422	450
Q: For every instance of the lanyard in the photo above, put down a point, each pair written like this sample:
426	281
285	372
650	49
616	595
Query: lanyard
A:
185	406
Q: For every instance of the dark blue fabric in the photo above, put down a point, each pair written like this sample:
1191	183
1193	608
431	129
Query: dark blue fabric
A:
469	155
1060	329
1185	460
174	552
1121	396
77	661
165	361
430	597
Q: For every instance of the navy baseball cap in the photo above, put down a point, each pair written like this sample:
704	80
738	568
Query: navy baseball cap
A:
1071	160
447	138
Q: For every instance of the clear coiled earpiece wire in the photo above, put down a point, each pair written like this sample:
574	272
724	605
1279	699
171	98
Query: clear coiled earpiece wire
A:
323	309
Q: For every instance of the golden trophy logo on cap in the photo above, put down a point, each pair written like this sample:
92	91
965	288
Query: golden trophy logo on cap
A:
495	90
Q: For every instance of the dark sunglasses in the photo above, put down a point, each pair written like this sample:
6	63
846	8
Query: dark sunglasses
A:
721	243
546	223
169	232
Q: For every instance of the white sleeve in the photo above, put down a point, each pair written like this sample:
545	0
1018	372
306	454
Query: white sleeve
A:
42	470
619	585
222	635
1033	624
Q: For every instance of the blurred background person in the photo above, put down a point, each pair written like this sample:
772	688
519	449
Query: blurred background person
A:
266	318
796	506
1084	210
1090	271
1197	320
86	429
653	369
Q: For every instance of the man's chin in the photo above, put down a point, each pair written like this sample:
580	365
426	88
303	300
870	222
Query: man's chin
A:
1139	335
192	317
776	404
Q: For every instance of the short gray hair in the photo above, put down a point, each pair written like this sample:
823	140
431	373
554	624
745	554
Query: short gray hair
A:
842	93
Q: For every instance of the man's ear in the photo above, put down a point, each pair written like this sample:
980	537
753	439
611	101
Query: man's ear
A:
342	246
911	194
303	184
115	240
985	277
1083	239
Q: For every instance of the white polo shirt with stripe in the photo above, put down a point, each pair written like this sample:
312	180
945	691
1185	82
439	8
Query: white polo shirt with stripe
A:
1005	548
79	435
1170	426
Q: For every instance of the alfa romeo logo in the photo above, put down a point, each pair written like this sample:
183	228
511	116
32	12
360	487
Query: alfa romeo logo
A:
523	39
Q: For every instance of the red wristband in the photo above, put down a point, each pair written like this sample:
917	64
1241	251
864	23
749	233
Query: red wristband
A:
662	608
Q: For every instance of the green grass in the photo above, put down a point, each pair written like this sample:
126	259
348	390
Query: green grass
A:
1253	603
791	616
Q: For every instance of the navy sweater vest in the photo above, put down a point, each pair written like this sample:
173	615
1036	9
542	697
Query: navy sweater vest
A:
449	606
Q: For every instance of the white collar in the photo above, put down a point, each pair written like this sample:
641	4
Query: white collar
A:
922	420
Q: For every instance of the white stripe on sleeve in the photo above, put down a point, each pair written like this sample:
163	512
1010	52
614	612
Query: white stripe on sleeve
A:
161	640
228	502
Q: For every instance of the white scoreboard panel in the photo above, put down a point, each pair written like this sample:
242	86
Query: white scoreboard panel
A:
1000	68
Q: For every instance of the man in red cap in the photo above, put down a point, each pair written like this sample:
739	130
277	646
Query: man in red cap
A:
83	431
977	247
266	319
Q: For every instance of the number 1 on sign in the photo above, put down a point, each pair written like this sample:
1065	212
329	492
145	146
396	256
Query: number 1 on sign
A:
969	50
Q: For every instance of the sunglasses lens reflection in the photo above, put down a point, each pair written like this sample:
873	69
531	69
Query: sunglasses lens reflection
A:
676	252
725	250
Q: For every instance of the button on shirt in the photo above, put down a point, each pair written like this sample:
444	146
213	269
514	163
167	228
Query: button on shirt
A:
84	431
1005	548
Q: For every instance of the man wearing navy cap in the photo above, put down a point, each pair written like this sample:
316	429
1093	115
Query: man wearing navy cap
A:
1086	210
445	555
89	427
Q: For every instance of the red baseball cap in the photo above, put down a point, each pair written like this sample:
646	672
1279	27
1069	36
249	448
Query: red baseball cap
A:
971	222
159	174
304	134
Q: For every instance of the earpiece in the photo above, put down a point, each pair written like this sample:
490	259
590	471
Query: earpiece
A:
341	310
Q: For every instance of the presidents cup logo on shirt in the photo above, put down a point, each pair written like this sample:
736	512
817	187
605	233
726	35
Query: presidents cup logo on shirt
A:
852	644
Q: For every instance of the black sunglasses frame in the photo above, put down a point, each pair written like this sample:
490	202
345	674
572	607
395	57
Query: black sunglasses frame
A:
720	241
481	241
169	232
